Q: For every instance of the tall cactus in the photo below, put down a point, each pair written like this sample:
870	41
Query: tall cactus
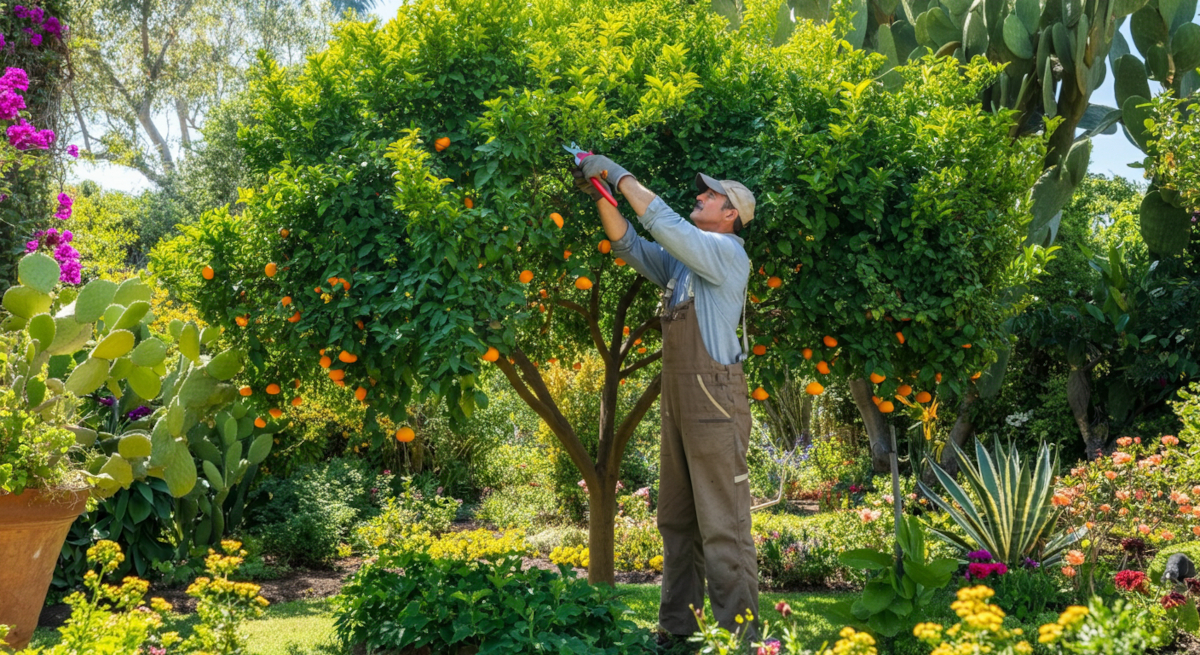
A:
72	343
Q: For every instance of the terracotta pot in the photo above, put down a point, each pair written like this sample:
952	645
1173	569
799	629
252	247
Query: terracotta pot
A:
33	527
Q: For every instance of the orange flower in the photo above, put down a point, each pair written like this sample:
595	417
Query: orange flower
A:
1068	571
1111	475
1124	441
1167	535
1144	529
1120	458
1123	511
1075	557
1061	500
1170	440
1106	508
1196	530
1122	495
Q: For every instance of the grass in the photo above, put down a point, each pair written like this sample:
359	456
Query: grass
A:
305	627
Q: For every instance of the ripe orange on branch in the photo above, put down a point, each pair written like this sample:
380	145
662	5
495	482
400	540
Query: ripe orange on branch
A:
275	412
294	318
887	407
557	218
924	396
900	337
814	389
441	144
760	394
774	282
273	388
829	341
260	423
347	357
242	321
491	355
325	362
619	262
807	352
206	272
283	232
271	269
337	375
904	390
297	401
583	283
246	390
605	246
360	393
760	350
823	368
877	378
526	277
287	300
405	434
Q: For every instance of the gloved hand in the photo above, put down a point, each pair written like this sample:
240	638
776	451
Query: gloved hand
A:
604	168
585	185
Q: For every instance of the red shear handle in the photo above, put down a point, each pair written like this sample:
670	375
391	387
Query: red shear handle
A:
600	186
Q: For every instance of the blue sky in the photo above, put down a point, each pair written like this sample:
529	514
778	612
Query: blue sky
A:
1111	154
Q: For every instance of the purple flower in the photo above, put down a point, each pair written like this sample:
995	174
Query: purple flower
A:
979	556
107	401
71	272
11	104
141	411
1031	564
64	207
37	14
73	150
2	44
15	78
22	135
30	246
20	11
53	27
67	235
35	40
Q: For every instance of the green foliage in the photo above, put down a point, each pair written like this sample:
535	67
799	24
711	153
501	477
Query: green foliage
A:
1007	510
105	229
409	511
789	561
137	519
440	604
303	518
1123	628
1026	593
519	507
896	591
32	451
1174	131
223	604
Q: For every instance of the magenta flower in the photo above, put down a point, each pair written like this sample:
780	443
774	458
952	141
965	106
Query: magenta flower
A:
36	14
11	104
22	135
73	150
30	246
2	43
15	78
20	11
35	39
64	207
53	27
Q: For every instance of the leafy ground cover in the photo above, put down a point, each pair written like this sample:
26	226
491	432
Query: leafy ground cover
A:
305	627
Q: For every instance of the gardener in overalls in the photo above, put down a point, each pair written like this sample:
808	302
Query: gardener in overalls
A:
704	492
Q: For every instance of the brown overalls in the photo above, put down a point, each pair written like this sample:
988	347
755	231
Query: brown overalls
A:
704	490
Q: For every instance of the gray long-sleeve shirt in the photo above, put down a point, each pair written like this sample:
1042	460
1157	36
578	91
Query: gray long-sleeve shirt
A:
715	265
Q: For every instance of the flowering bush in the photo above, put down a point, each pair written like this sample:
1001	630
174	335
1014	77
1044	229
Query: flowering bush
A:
59	245
1135	498
1119	629
408	513
224	604
981	629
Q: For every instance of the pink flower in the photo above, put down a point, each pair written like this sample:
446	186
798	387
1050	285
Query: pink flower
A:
1068	571
1124	441
1144	529
1170	440
1075	557
1111	475
11	104
1167	535
73	150
783	608
1120	458
888	498
868	515
769	648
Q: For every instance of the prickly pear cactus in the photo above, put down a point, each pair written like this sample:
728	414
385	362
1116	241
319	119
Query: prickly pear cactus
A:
73	343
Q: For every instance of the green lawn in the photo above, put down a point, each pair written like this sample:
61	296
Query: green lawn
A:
305	627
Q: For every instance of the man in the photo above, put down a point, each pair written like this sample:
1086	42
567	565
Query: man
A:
704	491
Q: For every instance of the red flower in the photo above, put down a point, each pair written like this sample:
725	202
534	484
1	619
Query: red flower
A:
1173	599
1132	581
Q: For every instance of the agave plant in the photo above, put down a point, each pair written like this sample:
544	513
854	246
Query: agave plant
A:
1013	516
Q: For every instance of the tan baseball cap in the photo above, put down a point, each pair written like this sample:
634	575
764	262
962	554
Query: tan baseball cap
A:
739	196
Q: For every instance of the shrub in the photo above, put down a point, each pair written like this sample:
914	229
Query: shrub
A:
1026	593
576	556
410	511
1159	564
436	603
547	540
519	507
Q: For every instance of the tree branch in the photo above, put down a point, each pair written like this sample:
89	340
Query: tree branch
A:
554	418
633	418
644	362
593	326
623	309
652	322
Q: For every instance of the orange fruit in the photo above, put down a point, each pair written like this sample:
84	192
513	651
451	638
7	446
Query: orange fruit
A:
761	271
359	324
360	393
566	254
557	218
287	300
275	412
900	337
441	144
966	345
322	352
260	423
348	358
583	283
242	321
284	233
605	246
622	382
829	342
619	262
469	203
760	350
876	399
774	282
814	389
877	378
626	330
924	396
337	374
491	355
273	388
977	375
543	294
823	368
340	383
297	401
760	394
316	289
637	341
904	390
526	277
346	285
294	318
271	269
807	352
937	378
206	273
326	362
577	366
642	349
887	407
754	298
405	434
246	390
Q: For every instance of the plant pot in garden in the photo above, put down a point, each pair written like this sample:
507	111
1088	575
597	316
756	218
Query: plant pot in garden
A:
33	526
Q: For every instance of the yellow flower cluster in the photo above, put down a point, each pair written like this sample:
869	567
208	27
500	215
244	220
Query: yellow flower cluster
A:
852	642
930	633
980	631
656	563
972	607
1070	619
106	553
478	544
571	556
223	588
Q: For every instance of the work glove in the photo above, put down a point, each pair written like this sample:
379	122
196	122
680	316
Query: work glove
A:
585	185
604	168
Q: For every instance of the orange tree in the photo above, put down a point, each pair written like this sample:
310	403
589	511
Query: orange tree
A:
415	219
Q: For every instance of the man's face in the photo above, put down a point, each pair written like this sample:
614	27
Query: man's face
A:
708	214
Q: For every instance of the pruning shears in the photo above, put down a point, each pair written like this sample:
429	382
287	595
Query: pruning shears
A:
579	154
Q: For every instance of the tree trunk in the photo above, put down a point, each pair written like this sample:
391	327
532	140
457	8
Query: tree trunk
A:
962	431
875	423
1079	397
602	512
185	136
806	406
